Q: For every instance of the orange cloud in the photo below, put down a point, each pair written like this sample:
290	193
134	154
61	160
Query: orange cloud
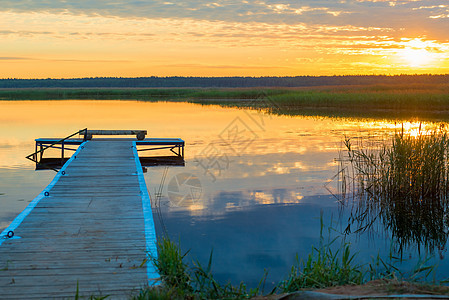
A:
81	43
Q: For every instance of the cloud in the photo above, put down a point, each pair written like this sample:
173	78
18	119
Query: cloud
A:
219	35
277	11
26	33
242	67
81	34
13	58
431	17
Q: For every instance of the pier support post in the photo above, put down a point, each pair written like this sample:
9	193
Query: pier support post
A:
41	153
62	153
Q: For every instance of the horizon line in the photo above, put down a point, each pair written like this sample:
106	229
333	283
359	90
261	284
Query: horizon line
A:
212	77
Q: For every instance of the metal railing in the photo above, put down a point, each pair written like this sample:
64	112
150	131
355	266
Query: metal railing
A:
33	156
180	148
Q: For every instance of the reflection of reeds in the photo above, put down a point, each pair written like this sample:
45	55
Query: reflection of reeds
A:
404	182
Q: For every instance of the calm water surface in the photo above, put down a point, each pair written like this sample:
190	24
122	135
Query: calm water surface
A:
252	189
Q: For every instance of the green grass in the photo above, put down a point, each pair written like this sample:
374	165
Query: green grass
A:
181	281
325	266
371	100
331	263
157	293
92	297
132	94
404	183
171	266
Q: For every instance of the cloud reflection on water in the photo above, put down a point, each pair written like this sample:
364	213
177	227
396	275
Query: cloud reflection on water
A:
266	200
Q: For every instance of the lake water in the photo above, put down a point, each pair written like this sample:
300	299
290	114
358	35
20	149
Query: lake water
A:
252	189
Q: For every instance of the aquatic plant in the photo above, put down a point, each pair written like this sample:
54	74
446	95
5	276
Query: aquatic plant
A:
327	265
179	280
171	266
395	100
157	293
401	182
331	263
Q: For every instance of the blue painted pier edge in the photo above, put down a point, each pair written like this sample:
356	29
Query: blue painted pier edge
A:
118	253
150	232
19	219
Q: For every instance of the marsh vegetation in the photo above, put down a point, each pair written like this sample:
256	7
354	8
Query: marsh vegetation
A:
331	263
405	100
407	158
401	182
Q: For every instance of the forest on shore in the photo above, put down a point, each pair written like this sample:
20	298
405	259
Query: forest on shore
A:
222	82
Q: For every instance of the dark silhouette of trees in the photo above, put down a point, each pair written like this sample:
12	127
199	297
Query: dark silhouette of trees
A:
222	82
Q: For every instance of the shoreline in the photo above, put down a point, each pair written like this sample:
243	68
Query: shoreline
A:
428	102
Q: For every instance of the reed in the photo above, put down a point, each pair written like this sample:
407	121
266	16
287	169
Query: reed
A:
149	94
331	263
402	182
393	101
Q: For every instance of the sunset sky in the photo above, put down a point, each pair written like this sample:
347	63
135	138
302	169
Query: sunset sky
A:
133	38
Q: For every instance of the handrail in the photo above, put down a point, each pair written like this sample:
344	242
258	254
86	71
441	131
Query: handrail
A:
34	155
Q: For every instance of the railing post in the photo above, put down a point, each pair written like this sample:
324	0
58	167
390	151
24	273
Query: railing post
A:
85	135
42	148
62	153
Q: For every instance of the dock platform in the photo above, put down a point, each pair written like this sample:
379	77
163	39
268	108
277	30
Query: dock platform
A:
174	145
91	228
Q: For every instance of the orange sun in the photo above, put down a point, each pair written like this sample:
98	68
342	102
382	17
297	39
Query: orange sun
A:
416	54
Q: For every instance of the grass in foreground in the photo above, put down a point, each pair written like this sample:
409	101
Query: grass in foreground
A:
324	267
184	282
328	265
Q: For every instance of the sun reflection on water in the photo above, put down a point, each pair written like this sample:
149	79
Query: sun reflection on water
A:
273	189
287	152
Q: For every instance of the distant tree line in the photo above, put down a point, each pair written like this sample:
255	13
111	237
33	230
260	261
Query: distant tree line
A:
221	82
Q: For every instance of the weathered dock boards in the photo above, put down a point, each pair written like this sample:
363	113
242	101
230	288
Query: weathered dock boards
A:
174	145
94	228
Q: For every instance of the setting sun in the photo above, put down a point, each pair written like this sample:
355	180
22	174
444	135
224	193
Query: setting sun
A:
416	57
70	39
418	53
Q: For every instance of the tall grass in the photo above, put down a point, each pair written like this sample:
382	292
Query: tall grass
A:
404	183
182	281
393	100
430	101
327	265
150	94
171	266
331	263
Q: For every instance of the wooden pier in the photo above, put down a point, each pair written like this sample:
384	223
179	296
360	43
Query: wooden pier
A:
92	227
174	145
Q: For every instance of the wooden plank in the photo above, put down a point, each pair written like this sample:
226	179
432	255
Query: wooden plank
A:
140	134
90	229
115	132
